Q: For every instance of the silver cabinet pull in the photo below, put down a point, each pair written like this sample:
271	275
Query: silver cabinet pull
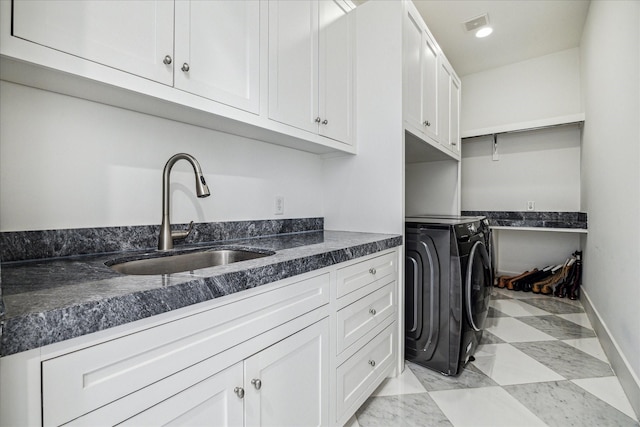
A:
239	391
318	120
185	67
167	60
372	362
372	271
256	383
372	311
325	122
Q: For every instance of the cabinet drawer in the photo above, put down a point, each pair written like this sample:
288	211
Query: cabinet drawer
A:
76	383
361	274
365	369
358	318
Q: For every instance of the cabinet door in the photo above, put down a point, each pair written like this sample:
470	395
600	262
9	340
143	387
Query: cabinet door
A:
455	113
210	402
132	36
412	70
218	51
336	71
294	381
293	63
444	104
429	86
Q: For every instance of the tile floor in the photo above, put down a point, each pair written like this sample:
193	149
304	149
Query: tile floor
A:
539	364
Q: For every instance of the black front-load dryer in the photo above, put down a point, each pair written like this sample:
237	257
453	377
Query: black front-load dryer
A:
448	279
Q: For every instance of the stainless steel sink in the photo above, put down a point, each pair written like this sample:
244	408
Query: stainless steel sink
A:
167	264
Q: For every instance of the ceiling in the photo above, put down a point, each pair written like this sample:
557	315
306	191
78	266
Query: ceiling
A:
523	29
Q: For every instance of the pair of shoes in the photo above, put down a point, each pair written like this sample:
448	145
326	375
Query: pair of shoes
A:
526	283
564	286
555	277
504	280
515	284
574	291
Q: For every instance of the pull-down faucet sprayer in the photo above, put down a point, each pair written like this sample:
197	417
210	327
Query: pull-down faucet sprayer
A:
165	240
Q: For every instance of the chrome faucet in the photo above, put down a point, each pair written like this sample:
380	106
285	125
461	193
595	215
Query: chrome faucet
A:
166	238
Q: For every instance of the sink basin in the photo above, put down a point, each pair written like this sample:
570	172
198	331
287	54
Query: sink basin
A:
160	263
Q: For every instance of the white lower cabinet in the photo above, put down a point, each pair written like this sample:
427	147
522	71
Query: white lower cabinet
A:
283	385
287	384
210	402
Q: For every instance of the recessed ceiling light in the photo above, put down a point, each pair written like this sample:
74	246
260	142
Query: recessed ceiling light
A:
484	32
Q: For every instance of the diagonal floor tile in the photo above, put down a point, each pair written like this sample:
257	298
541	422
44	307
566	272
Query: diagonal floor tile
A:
609	390
562	403
510	329
590	346
579	318
405	383
517	308
470	377
566	360
554	305
488	406
404	410
505	364
492	312
489	338
558	327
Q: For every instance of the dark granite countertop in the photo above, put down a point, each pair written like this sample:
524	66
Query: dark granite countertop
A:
51	300
557	220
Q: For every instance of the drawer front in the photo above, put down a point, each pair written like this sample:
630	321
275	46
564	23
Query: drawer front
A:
78	382
358	318
367	368
361	274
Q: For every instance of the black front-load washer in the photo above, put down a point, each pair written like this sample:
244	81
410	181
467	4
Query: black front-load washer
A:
448	280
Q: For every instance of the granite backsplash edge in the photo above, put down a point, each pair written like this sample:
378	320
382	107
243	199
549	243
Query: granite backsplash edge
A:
42	244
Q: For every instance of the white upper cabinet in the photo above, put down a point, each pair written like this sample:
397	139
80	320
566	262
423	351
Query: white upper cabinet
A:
134	36
293	63
336	77
448	106
431	95
420	74
217	52
311	67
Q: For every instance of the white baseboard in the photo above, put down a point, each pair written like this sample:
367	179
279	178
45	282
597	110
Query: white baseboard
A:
619	363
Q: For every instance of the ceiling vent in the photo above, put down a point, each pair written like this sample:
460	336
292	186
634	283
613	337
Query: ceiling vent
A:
477	22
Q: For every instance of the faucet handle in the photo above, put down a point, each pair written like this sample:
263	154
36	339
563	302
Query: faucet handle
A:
175	235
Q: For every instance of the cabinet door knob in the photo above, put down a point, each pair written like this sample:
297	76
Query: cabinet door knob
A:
426	123
256	383
167	60
325	122
372	362
372	311
372	270
185	67
239	391
318	119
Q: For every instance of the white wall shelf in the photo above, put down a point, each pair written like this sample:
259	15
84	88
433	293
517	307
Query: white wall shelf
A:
557	230
525	126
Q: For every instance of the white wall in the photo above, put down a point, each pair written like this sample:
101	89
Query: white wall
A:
610	57
431	188
542	166
544	87
71	163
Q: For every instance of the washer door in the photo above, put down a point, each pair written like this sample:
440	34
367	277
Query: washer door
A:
478	285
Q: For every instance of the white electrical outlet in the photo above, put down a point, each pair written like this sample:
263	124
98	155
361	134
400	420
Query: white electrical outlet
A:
279	205
531	205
